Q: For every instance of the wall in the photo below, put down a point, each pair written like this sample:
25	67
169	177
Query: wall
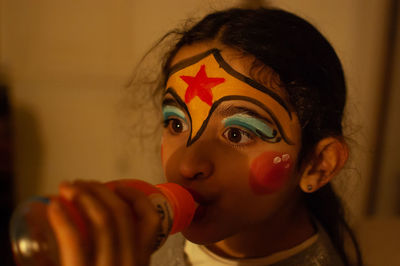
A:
386	200
69	63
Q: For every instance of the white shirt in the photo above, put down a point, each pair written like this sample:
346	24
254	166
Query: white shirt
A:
200	256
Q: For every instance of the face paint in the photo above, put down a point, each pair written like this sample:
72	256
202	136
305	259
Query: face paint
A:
201	83
174	115
170	111
269	172
255	125
200	86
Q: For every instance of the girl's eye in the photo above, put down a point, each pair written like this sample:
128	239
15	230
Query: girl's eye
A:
174	119
175	125
252	127
237	136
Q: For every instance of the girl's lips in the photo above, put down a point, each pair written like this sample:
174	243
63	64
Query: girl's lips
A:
201	200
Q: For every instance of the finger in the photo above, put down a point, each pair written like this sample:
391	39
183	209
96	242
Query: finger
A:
147	221
67	235
99	220
123	219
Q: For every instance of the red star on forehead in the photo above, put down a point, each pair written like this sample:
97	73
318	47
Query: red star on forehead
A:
200	86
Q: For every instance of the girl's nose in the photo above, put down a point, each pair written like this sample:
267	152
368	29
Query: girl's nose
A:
196	162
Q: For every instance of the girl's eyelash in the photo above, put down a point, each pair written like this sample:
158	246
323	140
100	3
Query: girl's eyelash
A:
166	121
248	134
245	131
257	127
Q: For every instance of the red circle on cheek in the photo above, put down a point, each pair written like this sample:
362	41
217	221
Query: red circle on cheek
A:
269	172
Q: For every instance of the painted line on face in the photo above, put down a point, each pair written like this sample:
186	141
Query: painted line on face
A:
269	172
169	110
191	140
241	98
189	61
223	64
257	126
182	104
250	81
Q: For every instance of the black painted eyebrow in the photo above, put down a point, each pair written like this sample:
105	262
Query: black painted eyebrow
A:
171	102
177	100
232	110
240	98
223	64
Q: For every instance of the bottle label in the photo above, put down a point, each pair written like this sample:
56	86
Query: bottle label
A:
166	218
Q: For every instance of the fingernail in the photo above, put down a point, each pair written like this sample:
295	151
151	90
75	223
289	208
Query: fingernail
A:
67	191
64	184
55	205
41	199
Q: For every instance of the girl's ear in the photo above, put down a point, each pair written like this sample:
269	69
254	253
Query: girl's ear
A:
329	157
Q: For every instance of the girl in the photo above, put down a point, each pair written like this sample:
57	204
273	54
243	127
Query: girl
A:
252	107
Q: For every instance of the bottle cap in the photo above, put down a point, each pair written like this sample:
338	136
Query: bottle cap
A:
182	203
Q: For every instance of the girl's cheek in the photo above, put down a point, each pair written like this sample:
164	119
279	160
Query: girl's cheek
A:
162	154
269	172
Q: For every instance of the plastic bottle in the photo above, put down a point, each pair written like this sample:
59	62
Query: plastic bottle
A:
33	240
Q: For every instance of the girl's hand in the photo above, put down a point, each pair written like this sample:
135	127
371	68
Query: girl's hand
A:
121	225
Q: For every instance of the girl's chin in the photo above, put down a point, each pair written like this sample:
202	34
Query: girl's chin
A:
199	238
203	233
207	226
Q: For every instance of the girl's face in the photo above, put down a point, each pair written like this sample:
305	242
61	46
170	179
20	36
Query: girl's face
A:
231	141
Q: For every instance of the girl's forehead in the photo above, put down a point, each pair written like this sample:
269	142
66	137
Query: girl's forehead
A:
251	73
201	81
243	63
233	57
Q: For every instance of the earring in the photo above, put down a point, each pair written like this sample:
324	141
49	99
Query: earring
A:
309	187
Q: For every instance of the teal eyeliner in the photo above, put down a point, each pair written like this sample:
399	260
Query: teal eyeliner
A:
255	125
170	110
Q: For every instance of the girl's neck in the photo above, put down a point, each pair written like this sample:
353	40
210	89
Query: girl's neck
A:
280	233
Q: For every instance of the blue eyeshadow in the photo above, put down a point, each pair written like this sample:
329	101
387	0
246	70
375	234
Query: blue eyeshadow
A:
169	110
257	126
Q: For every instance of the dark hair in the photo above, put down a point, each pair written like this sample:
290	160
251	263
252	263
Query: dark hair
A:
310	72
